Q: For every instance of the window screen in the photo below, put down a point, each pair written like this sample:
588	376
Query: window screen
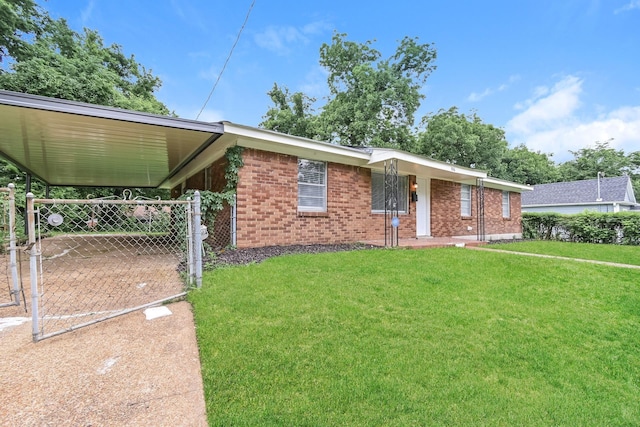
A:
465	200
312	185
377	192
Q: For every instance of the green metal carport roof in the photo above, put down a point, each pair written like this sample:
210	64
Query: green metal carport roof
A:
69	143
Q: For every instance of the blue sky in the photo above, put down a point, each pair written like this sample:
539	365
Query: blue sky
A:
557	75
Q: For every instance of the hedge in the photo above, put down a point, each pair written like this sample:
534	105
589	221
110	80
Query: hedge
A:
622	228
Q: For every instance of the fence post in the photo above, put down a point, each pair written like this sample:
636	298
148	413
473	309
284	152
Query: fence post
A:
12	244
234	213
197	237
190	263
33	266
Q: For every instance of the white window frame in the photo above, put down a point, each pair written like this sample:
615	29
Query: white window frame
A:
465	202
404	190
506	204
322	206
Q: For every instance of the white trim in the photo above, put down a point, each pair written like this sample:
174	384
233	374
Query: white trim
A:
323	185
500	184
379	155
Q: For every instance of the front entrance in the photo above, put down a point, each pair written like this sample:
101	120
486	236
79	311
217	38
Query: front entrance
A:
423	207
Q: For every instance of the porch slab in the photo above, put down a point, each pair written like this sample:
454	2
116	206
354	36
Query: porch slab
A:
430	242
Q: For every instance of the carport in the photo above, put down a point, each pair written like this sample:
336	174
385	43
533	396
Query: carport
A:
90	260
65	143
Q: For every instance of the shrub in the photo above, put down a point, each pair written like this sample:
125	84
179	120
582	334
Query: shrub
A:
590	227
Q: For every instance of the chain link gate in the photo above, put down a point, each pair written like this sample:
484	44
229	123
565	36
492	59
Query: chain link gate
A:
8	260
91	260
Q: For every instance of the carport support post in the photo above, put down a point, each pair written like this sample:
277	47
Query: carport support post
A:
33	265
197	237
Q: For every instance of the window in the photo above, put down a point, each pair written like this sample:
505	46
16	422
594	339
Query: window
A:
377	193
465	200
312	186
506	205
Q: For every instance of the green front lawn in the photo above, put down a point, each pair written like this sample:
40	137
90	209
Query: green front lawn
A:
611	253
420	337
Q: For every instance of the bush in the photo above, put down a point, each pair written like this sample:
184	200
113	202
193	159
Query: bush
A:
589	227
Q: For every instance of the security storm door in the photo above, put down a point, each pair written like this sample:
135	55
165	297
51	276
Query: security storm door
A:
423	207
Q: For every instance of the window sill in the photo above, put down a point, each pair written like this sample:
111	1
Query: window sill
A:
466	218
382	213
311	214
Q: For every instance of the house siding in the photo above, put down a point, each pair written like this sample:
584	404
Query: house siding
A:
446	218
267	205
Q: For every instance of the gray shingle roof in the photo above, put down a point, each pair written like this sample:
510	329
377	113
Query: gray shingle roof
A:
611	190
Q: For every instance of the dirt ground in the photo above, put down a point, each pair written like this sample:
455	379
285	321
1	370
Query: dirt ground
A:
124	371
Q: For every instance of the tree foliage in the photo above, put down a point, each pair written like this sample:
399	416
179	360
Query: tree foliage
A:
463	140
18	18
43	56
588	162
372	101
528	167
291	113
62	63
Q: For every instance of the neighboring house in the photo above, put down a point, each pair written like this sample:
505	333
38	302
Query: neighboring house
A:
293	190
604	194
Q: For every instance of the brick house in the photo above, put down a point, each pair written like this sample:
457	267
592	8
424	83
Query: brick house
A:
293	190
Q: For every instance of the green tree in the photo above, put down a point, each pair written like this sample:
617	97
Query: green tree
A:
18	18
62	63
373	102
587	162
50	59
463	140
528	167
291	113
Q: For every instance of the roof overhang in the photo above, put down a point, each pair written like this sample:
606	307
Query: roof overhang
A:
77	144
410	164
274	142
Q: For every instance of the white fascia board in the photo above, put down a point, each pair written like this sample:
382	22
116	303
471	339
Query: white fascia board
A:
38	102
506	185
574	204
380	155
267	140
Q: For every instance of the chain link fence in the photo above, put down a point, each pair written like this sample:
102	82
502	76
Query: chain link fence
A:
8	260
94	259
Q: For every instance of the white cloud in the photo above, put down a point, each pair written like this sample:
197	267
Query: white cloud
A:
554	123
281	39
633	4
543	112
85	15
475	96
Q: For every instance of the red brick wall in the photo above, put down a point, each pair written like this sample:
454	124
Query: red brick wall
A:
446	219
267	208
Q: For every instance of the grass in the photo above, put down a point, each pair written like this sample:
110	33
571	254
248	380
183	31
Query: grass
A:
419	337
611	253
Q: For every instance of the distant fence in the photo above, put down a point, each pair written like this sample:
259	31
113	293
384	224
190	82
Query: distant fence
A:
8	260
621	228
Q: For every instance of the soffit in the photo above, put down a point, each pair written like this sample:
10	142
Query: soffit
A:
77	144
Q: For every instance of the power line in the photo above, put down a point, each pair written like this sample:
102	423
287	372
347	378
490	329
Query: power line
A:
228	58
